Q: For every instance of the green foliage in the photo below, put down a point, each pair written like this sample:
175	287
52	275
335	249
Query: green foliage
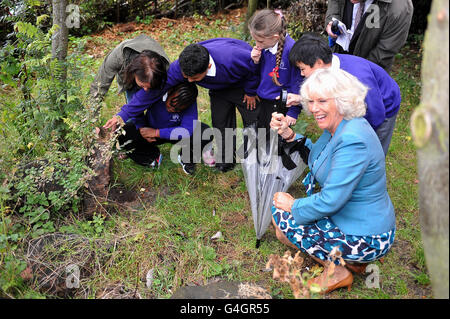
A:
145	20
51	125
92	228
10	280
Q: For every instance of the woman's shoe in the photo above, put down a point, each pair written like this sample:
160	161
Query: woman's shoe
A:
340	278
357	268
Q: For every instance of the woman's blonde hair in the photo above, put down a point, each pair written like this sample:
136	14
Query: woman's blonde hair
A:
266	23
348	92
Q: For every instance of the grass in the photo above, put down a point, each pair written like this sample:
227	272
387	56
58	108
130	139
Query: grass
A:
167	229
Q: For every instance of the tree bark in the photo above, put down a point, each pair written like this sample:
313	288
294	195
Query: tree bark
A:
430	125
59	40
252	5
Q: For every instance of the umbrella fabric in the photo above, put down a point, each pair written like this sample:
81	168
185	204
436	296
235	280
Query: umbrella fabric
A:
265	175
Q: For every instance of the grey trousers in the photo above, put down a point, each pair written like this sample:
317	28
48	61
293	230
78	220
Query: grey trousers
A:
384	132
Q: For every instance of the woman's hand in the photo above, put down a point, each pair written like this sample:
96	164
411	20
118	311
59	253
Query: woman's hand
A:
256	54
149	133
290	120
280	124
250	101
283	201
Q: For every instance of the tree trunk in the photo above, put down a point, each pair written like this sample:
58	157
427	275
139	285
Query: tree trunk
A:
59	40
429	125
117	11
252	5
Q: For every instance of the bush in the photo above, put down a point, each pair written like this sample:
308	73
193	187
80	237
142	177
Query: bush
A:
49	128
306	16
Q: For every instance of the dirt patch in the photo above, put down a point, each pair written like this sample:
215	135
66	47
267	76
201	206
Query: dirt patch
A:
120	194
60	264
119	32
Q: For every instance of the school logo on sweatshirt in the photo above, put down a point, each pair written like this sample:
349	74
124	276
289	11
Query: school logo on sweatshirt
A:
175	117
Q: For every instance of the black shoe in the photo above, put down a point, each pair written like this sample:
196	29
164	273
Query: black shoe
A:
188	168
224	167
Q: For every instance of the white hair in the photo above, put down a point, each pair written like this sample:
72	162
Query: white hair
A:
348	92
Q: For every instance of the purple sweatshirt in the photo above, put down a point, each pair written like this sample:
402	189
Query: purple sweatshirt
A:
158	117
383	99
234	68
290	77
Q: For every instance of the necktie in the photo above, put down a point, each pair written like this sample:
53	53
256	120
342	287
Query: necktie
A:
359	13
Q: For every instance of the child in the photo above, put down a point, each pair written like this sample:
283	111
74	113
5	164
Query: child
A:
167	121
271	55
312	52
224	67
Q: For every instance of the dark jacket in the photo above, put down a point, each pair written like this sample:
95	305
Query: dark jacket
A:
117	60
377	40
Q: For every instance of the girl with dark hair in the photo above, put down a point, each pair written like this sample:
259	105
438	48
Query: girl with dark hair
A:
271	54
135	63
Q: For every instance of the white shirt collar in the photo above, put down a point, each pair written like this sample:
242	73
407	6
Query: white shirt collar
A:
212	69
335	62
273	49
367	3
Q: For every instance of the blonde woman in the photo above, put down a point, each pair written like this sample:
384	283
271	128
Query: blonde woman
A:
352	212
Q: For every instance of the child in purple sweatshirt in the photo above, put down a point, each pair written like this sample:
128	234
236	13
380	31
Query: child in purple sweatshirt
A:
271	57
383	99
169	120
224	67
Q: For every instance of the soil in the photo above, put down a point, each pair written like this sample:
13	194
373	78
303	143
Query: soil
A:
122	31
120	194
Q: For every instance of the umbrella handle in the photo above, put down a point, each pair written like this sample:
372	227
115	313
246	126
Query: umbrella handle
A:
258	243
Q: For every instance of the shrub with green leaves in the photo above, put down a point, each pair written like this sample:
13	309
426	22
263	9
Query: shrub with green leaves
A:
50	128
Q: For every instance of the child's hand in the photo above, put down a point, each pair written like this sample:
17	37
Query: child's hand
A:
256	54
149	133
250	101
112	123
330	33
293	99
